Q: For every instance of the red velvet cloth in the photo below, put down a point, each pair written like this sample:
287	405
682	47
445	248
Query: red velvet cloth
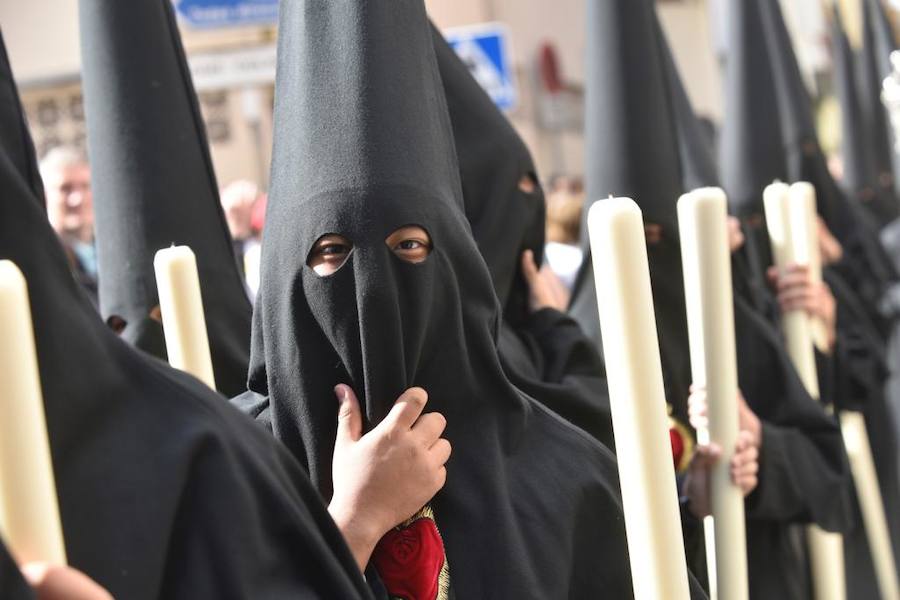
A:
409	560
677	446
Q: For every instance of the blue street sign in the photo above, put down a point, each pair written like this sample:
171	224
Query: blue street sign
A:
227	13
485	49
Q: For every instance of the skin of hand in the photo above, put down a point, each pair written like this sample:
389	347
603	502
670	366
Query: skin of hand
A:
735	234
56	582
744	469
830	249
383	477
546	290
747	419
797	292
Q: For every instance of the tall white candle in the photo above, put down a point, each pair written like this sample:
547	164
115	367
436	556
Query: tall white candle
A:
29	513
804	215
706	259
826	550
862	466
637	400
181	305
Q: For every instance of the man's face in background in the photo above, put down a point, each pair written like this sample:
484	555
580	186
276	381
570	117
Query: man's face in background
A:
69	202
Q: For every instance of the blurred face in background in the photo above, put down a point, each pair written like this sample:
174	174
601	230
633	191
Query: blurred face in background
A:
67	187
237	200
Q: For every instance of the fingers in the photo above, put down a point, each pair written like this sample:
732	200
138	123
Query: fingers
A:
529	268
429	428
52	582
349	415
706	456
406	409
745	463
440	452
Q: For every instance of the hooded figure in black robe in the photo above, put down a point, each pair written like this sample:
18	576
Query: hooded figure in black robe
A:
632	150
544	354
164	490
153	181
864	179
803	467
363	146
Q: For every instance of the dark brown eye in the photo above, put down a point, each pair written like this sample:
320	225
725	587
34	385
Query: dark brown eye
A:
410	243
329	253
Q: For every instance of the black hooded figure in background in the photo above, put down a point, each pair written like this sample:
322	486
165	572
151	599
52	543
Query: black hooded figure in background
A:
544	352
164	490
370	276
154	184
803	467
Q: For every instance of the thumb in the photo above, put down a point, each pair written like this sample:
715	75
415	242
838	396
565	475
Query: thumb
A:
529	269
349	427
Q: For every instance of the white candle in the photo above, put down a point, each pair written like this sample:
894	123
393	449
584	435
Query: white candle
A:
804	215
637	401
826	550
181	305
706	259
862	466
29	513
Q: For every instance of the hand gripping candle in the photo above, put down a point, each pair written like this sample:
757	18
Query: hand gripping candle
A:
826	552
29	512
706	260
637	400
181	305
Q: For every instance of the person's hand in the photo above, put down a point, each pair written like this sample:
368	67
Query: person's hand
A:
56	582
735	234
545	288
744	470
747	419
796	291
830	249
384	477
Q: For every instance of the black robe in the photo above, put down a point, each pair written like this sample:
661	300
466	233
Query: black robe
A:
164	490
12	584
544	354
363	146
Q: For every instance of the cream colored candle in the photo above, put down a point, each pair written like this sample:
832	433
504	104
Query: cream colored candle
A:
637	400
862	466
706	259
29	513
826	550
804	214
181	305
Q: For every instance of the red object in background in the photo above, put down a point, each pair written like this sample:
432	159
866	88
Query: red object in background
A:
551	75
409	560
677	447
258	216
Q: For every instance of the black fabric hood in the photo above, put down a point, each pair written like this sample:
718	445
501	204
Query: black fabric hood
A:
633	150
492	159
153	180
363	146
164	491
874	66
863	179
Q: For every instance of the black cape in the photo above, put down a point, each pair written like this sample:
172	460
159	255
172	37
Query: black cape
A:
363	145
12	584
544	354
153	180
164	490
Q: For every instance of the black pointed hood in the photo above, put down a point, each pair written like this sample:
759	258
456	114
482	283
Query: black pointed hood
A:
874	67
153	180
162	487
363	146
633	150
751	152
698	164
861	179
492	160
